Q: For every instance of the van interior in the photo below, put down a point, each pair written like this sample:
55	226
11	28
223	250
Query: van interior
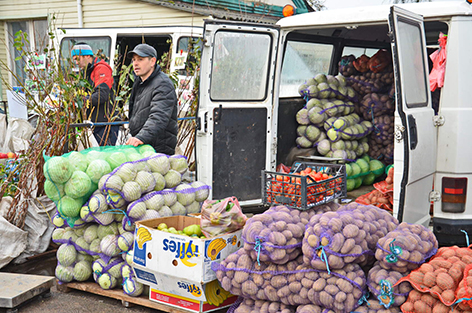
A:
320	51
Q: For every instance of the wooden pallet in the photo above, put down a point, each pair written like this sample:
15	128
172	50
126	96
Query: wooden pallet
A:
126	301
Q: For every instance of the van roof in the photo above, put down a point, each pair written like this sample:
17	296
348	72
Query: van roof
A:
375	14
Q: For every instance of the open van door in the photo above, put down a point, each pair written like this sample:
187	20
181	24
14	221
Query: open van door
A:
415	133
234	133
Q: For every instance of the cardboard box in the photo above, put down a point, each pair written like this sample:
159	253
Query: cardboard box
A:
179	256
186	303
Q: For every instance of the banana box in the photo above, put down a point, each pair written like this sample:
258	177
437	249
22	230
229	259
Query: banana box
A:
177	255
190	296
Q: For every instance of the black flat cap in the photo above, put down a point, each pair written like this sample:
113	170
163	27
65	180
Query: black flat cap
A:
143	50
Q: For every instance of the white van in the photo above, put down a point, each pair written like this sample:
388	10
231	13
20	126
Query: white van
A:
248	100
114	43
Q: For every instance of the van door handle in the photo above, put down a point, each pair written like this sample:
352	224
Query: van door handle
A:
413	132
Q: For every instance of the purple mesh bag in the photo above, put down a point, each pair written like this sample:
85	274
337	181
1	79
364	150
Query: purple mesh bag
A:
375	307
108	273
374	105
364	85
245	305
292	283
276	235
349	235
406	248
381	285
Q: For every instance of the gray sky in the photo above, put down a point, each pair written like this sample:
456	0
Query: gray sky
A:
336	4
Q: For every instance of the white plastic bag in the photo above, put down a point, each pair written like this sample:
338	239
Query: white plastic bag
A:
17	136
13	240
38	226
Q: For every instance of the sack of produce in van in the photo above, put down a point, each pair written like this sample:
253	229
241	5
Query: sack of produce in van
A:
406	248
381	138
375	105
380	61
346	66
327	86
362	63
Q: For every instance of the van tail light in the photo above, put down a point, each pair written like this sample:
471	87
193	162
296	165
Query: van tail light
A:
454	194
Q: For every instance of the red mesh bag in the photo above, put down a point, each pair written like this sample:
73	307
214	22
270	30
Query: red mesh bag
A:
419	302
362	63
464	291
442	274
380	61
377	199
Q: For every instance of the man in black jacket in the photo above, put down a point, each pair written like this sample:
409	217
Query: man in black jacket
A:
152	104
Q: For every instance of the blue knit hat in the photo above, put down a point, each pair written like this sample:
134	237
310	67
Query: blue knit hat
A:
81	49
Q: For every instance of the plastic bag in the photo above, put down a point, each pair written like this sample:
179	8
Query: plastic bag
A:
221	217
436	77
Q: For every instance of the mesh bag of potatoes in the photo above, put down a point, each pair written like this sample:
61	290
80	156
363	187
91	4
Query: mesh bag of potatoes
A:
406	248
312	308
276	235
419	302
376	307
380	283
442	274
292	283
349	235
464	291
245	305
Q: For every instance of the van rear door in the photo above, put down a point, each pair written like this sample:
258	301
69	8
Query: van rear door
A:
235	107
415	134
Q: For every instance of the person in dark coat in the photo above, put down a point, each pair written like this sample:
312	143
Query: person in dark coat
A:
152	104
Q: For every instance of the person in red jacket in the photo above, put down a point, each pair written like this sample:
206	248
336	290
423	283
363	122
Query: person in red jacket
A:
99	75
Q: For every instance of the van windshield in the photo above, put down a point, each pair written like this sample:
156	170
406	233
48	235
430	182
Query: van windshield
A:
303	60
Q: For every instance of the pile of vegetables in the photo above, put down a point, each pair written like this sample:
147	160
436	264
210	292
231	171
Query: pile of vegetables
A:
304	185
381	281
134	186
382	195
259	306
278	233
334	239
325	274
363	171
439	278
293	283
328	121
373	80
